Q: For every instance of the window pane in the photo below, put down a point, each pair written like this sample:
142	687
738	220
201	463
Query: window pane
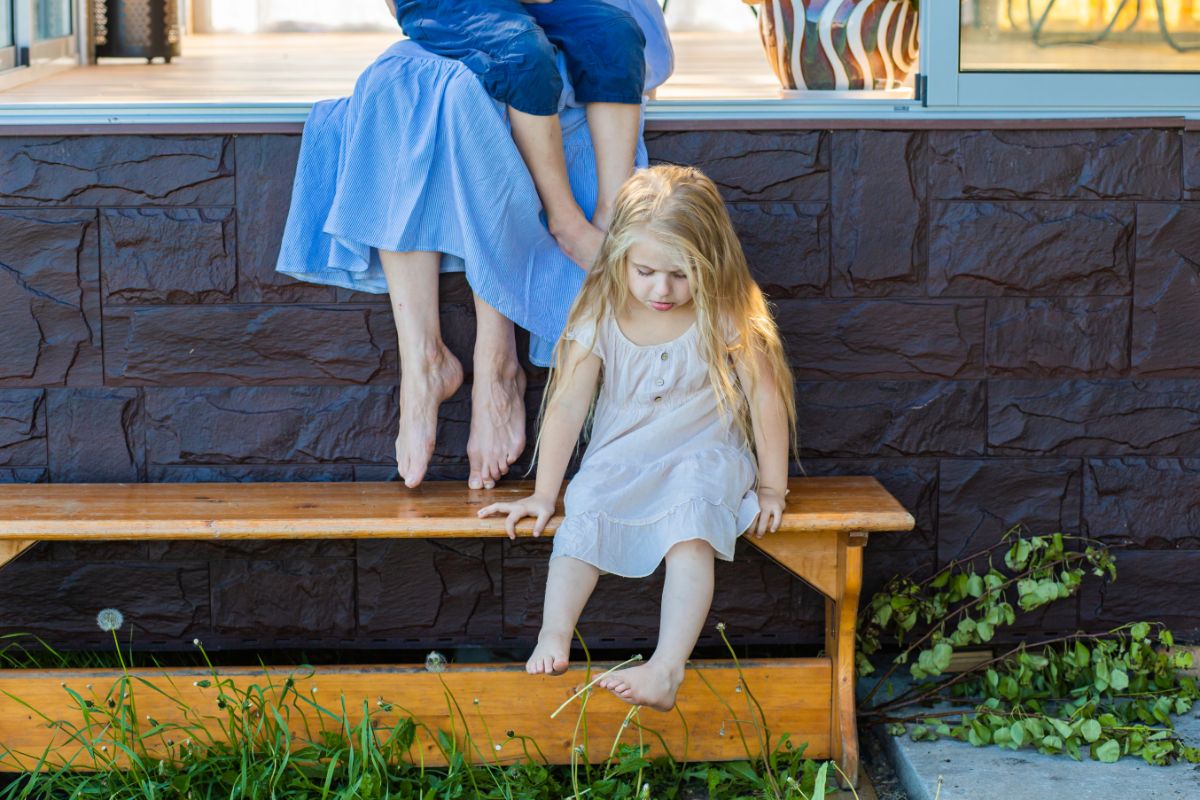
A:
1080	36
53	18
6	37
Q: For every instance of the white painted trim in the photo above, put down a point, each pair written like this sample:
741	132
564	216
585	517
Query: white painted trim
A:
657	111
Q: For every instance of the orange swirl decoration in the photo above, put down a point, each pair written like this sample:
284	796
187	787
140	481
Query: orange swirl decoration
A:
839	44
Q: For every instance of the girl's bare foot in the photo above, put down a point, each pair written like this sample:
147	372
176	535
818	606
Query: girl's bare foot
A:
578	238
497	436
551	656
648	684
425	381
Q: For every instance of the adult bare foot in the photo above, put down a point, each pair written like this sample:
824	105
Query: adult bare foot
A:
497	436
425	381
578	238
648	684
551	656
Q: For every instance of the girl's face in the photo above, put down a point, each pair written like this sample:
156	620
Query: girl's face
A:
656	278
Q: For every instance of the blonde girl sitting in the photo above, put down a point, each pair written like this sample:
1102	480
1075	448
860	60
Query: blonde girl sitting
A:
672	350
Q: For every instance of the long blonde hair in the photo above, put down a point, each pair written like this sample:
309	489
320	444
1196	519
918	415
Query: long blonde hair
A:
682	209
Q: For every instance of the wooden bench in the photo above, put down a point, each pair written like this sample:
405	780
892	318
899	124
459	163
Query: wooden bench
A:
820	540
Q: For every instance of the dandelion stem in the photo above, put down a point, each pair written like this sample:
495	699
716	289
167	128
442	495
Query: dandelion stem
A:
594	681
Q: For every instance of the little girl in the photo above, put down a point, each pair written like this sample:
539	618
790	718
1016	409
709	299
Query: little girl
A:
672	350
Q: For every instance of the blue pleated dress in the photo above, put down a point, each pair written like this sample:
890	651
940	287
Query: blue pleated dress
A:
421	158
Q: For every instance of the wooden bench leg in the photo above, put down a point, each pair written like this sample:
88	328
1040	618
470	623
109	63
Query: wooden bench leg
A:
841	614
831	562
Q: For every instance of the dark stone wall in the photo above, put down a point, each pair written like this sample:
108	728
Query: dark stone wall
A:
1000	325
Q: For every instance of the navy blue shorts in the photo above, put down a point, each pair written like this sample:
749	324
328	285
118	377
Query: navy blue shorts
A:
510	46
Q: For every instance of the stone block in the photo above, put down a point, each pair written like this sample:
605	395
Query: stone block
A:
979	500
1151	585
1094	417
880	226
882	339
249	345
890	418
1089	164
1143	502
22	428
912	481
266	169
751	165
59	601
49	297
168	255
262	601
275	550
1191	165
259	473
270	425
786	245
1042	249
1166	290
24	475
1046	337
117	170
96	435
430	590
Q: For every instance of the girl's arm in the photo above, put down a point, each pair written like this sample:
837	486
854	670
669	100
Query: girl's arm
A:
560	430
769	420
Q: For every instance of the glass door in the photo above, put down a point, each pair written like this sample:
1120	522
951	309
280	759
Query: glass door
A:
8	49
53	30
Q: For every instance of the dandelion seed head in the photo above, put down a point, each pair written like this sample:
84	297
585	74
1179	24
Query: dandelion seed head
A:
109	619
195	642
721	626
475	701
497	748
435	662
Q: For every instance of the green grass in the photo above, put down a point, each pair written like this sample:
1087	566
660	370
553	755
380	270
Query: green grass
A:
254	753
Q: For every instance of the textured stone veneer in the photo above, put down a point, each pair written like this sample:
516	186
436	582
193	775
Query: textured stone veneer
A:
999	325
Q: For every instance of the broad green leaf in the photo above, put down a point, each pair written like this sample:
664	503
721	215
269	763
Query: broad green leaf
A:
1090	730
1108	752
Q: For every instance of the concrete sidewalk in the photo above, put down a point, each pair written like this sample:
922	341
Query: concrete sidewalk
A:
992	773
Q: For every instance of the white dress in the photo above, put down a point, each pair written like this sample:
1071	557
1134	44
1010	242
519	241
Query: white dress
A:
662	465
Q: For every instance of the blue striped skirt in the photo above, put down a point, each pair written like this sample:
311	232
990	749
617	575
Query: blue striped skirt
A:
420	158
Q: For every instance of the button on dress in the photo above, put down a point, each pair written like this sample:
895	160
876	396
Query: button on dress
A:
662	464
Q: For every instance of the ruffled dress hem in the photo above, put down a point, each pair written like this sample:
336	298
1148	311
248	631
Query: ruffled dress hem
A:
635	548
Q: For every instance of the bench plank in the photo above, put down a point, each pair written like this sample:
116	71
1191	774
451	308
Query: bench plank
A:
794	693
356	510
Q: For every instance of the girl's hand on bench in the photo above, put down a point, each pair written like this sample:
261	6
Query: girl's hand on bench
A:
541	508
770	505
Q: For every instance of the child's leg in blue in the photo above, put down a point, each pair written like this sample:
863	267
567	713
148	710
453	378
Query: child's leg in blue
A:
686	598
502	43
568	587
605	53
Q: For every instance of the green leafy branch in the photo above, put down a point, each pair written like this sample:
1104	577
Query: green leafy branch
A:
1110	694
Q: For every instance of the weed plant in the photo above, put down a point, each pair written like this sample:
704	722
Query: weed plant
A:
273	740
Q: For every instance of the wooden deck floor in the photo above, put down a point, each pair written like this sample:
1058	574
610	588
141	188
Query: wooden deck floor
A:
299	67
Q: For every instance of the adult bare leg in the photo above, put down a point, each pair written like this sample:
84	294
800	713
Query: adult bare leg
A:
569	584
429	372
614	129
497	436
539	139
687	595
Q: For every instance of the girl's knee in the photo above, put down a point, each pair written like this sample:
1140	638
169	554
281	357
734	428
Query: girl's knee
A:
526	75
691	549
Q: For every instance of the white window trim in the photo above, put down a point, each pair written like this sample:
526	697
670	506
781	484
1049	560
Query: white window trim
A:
950	95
